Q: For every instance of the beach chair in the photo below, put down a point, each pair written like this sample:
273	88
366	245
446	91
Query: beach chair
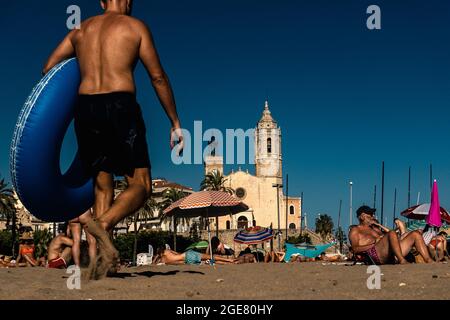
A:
145	259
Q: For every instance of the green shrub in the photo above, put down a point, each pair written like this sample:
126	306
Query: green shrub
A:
42	239
6	243
301	238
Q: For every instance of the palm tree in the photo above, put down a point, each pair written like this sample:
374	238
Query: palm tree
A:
120	185
170	196
148	209
215	181
324	226
7	202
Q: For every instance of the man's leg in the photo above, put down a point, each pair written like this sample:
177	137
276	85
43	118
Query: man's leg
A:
104	193
389	245
66	254
92	243
129	201
415	239
104	196
75	230
92	246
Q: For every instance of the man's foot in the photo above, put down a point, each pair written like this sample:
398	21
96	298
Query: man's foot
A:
90	271
107	256
403	261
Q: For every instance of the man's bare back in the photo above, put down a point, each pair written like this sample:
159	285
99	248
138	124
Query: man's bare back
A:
108	47
60	246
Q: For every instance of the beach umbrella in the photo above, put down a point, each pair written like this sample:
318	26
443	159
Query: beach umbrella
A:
206	204
253	235
420	212
433	218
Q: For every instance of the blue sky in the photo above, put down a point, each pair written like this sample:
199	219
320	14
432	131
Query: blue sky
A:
345	97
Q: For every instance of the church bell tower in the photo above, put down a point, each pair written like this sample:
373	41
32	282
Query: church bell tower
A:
268	158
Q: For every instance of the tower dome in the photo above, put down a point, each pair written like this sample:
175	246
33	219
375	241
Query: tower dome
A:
268	158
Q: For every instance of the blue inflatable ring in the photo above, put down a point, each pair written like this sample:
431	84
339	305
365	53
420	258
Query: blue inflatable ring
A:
35	152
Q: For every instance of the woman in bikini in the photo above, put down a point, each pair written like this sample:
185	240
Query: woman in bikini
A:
26	252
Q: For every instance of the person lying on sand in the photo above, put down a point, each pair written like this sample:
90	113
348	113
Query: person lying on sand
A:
331	257
59	252
382	244
6	262
189	257
246	258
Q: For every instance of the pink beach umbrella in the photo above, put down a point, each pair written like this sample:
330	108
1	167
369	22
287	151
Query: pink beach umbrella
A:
434	216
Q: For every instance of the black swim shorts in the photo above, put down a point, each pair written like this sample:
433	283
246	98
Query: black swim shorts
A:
111	134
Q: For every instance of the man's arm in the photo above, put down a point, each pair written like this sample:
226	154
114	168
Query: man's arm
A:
383	228
67	241
65	50
354	237
160	82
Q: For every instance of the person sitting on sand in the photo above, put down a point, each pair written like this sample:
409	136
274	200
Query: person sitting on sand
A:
400	228
59	252
189	257
382	244
438	246
273	256
26	252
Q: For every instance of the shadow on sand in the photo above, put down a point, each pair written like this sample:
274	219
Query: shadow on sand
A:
150	274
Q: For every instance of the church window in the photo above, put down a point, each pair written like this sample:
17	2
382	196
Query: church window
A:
269	145
291	210
240	193
242	222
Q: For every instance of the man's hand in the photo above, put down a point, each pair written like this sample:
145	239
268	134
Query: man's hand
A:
176	138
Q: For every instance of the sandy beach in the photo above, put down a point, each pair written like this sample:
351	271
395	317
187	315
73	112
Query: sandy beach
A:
309	281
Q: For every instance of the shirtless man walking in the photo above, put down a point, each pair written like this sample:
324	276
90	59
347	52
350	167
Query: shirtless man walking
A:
108	120
382	244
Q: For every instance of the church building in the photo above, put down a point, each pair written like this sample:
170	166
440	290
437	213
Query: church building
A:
261	191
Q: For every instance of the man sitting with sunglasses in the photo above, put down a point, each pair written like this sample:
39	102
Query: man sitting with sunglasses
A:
381	244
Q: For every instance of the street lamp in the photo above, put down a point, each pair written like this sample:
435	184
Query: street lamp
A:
351	202
278	186
13	232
